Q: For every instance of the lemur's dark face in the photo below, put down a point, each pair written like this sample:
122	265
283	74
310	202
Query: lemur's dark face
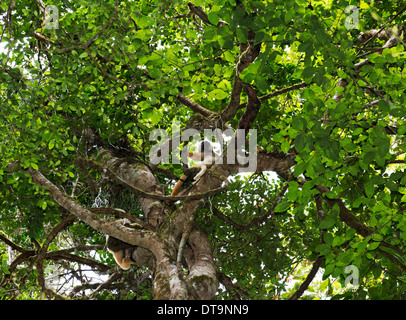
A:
206	147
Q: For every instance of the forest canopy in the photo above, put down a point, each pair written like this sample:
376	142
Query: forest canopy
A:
310	93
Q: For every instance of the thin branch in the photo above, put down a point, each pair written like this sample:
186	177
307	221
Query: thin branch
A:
130	84
284	90
107	283
305	284
80	247
18	260
60	255
353	222
255	221
40	259
237	292
278	93
99	32
194	106
13	245
316	265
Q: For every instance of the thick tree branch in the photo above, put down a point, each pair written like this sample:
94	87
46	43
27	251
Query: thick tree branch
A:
160	246
235	98
135	237
140	192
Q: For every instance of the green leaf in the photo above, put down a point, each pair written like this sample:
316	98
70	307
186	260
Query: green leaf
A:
327	223
285	146
328	238
282	207
369	188
373	245
213	18
300	142
300	168
218	94
289	15
338	241
261	83
298	123
145	22
242	34
330	195
278	137
369	157
42	204
51	144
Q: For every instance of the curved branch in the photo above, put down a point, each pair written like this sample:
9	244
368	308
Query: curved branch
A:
305	284
353	222
255	221
237	292
165	268
18	260
139	238
13	245
277	93
194	106
41	255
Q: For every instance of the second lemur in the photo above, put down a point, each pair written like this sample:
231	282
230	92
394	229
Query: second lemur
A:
122	252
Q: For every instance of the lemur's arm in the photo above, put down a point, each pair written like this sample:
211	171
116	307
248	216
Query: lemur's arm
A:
202	171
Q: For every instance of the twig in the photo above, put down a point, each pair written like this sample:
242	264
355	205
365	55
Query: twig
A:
254	221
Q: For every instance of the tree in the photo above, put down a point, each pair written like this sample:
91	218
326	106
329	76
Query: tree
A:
85	84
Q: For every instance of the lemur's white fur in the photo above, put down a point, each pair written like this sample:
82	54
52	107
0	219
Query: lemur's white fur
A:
204	159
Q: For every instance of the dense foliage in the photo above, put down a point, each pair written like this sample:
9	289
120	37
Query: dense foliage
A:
322	82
